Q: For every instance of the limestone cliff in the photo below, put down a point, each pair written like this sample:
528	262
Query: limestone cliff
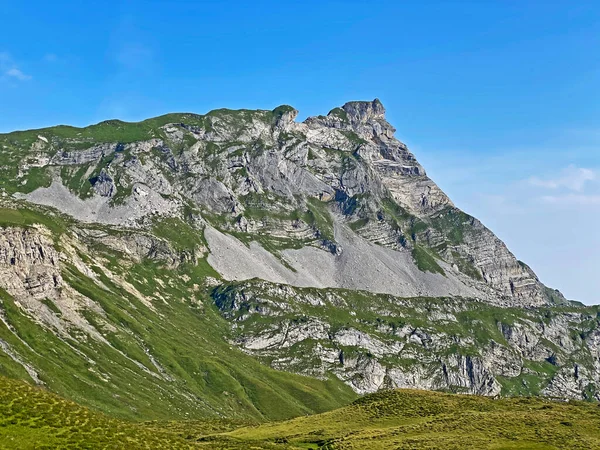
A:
321	192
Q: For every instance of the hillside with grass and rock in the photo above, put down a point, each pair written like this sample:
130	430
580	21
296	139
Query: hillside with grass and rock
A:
243	265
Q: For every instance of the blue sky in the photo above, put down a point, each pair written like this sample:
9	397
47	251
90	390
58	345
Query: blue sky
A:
500	101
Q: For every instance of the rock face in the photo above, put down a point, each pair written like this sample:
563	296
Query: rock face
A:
29	264
31	273
315	191
360	264
376	341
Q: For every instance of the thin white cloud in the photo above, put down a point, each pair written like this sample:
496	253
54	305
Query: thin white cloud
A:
9	70
572	178
572	199
16	73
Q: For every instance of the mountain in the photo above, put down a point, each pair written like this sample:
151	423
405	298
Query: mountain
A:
241	264
341	183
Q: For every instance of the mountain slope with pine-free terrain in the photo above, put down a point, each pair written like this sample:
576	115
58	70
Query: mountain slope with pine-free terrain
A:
243	265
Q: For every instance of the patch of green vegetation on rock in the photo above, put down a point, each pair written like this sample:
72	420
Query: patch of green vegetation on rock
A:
424	261
358	224
354	138
466	267
27	216
556	297
80	179
281	110
319	216
453	223
401	220
51	305
123	193
178	233
340	113
35	178
527	383
274	245
75	179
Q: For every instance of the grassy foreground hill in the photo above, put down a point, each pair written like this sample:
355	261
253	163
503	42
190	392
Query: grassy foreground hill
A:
31	417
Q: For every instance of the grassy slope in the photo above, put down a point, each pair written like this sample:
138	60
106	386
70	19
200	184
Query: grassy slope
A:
418	419
33	418
186	336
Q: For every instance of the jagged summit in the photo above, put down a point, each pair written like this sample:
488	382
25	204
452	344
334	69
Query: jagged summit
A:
362	111
354	113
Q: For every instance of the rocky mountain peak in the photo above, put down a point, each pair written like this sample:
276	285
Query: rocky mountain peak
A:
364	111
285	116
365	118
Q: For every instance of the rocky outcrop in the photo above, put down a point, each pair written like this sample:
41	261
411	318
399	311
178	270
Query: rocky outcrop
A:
31	273
373	342
81	157
103	184
29	264
143	203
